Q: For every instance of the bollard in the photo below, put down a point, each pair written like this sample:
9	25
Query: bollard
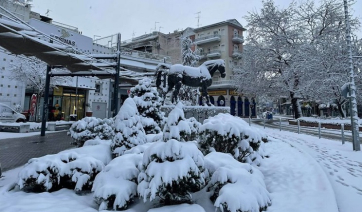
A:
342	131
249	121
264	122
298	126
319	129
280	124
0	170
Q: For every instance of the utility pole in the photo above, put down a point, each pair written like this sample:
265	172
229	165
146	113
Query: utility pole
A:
353	102
198	19
155	25
116	76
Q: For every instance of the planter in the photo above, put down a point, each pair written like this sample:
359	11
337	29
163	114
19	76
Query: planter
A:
88	114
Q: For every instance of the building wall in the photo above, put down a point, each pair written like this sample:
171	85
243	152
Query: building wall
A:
12	92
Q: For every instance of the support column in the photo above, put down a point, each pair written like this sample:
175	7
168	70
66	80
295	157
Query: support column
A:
45	103
116	77
353	102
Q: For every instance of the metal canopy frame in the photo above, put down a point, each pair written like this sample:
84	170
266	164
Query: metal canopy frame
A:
19	38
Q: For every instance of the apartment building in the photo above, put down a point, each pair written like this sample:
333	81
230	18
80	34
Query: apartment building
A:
224	40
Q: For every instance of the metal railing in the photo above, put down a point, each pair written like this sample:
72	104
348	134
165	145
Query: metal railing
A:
207	37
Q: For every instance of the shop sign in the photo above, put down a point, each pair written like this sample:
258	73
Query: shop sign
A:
234	93
33	102
58	91
217	93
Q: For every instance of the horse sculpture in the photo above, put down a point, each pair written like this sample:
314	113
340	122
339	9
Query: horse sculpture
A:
191	76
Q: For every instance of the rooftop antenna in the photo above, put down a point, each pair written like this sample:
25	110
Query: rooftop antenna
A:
198	18
133	34
47	12
155	24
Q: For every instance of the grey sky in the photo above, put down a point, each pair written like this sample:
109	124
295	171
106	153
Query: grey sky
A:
107	17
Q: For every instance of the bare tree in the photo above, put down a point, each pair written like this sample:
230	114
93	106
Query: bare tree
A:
297	51
32	71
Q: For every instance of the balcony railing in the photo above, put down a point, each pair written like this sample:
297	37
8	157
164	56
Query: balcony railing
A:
237	54
214	53
238	39
207	39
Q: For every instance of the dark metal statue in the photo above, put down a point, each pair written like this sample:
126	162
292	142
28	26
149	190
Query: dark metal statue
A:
191	76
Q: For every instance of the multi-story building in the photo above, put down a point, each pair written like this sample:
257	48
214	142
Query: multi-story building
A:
222	40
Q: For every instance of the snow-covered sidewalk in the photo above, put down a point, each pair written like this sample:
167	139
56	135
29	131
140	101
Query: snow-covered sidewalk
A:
340	163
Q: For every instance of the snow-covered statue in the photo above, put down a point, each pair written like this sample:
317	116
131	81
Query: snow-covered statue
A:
191	76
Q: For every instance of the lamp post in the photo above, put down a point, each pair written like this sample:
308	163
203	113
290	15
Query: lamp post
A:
353	102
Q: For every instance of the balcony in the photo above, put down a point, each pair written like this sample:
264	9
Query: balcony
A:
237	54
214	54
207	39
238	39
222	83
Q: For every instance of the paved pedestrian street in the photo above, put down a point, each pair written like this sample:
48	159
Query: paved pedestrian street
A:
15	152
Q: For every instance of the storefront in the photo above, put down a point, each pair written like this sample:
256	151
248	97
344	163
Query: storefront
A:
67	104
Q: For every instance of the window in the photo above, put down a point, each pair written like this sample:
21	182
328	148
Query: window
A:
98	88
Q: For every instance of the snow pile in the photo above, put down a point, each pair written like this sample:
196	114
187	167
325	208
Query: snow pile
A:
129	129
172	170
74	168
116	186
235	186
89	128
179	128
148	104
229	134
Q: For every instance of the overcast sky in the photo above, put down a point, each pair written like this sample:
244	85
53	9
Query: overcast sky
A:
137	17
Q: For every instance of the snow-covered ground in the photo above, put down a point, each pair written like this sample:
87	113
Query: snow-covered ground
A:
302	173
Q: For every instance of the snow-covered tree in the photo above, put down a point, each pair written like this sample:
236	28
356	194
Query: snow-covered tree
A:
148	104
129	130
228	134
179	128
90	128
292	51
32	71
171	171
227	176
188	95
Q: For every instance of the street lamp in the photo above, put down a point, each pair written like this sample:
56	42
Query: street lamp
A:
353	102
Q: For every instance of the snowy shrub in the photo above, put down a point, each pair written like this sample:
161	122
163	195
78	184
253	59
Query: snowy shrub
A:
179	128
74	169
229	134
235	187
90	128
148	104
171	171
116	186
129	131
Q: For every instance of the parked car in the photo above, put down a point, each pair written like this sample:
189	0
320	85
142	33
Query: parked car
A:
7	114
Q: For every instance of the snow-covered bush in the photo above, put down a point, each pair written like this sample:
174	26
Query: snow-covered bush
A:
116	186
171	171
74	169
129	131
148	104
235	186
179	128
229	134
90	128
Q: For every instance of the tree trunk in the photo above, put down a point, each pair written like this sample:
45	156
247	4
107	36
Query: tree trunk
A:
295	106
